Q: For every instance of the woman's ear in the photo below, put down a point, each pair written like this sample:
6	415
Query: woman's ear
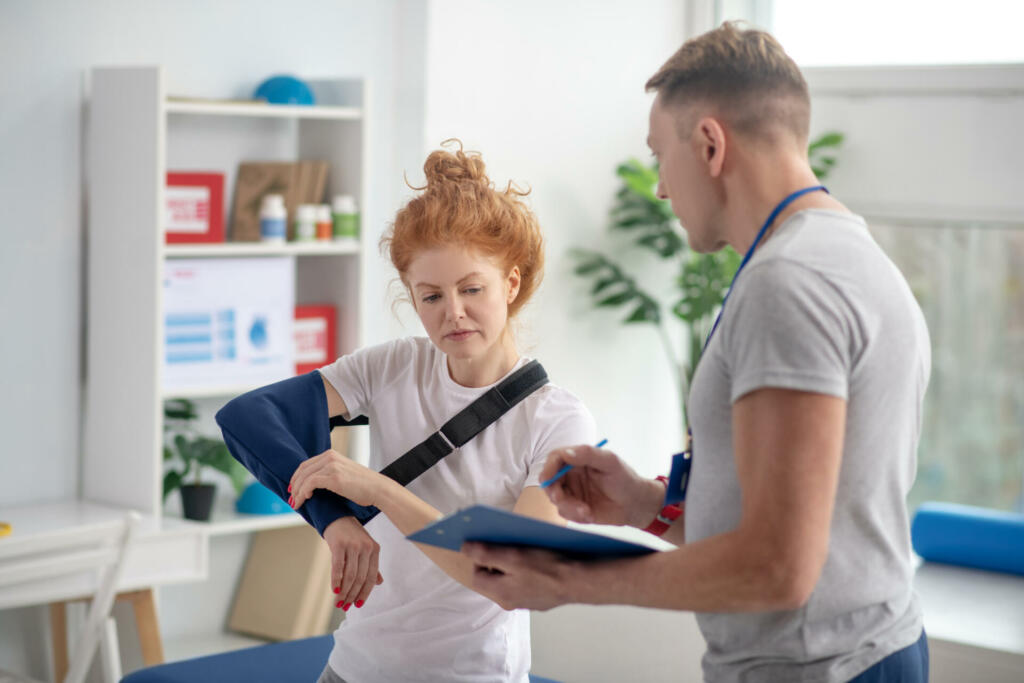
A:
513	281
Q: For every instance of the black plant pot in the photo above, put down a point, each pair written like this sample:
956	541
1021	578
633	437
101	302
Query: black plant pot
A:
197	500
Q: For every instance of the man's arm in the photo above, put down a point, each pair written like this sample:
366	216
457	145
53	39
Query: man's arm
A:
788	448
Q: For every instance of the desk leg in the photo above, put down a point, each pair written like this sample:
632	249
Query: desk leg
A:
59	635
144	606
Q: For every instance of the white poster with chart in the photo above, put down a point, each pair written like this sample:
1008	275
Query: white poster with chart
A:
228	323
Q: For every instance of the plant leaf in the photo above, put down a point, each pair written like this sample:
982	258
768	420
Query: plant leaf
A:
617	299
180	409
185	448
829	139
646	312
604	284
588	267
172	480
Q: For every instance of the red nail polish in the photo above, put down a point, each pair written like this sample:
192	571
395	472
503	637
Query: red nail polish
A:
360	603
346	606
289	488
337	590
339	603
291	501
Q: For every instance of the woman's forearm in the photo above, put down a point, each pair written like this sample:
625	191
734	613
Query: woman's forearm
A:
409	513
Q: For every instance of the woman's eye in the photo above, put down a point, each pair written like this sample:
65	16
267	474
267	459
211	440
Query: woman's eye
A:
472	290
431	298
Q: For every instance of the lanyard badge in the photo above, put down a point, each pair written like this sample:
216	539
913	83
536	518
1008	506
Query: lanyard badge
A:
679	477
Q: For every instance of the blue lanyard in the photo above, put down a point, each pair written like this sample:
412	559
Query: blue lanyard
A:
750	252
679	478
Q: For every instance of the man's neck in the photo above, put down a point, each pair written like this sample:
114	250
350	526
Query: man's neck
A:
759	190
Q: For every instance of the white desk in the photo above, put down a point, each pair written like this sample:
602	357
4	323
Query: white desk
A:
164	551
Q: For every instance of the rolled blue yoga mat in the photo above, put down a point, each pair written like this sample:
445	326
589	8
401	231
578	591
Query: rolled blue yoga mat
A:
969	536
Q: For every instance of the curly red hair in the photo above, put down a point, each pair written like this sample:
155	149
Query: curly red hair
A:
459	205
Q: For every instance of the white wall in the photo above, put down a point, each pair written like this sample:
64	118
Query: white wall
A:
220	49
552	95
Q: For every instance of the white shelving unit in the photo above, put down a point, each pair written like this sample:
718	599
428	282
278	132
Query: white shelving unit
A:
135	135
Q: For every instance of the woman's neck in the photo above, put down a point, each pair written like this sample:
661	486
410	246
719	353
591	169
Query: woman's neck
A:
487	368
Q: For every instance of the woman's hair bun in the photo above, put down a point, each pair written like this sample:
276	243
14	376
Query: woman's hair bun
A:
459	206
454	166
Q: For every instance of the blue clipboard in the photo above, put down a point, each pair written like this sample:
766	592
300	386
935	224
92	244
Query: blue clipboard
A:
493	525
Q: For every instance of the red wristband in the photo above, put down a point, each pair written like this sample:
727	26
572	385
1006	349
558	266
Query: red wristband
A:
664	519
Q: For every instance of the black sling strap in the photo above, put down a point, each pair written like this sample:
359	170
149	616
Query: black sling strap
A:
469	422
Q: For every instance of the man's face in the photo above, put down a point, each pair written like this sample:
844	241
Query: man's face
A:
682	179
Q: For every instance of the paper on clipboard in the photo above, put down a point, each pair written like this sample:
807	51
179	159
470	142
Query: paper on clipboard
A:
493	525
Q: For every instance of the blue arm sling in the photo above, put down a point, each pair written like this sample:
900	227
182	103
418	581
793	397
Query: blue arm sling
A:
273	429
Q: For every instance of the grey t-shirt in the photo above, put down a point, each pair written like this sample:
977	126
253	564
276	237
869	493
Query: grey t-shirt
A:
819	308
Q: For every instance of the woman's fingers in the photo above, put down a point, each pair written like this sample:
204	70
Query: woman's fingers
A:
337	572
361	576
298	487
373	578
349	577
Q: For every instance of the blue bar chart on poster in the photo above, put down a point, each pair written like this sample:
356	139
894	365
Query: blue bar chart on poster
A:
227	322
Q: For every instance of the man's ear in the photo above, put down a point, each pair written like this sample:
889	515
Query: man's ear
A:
514	279
710	139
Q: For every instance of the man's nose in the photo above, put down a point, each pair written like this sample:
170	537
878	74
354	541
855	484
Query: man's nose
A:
660	190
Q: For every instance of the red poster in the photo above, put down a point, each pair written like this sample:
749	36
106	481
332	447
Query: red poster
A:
315	337
194	208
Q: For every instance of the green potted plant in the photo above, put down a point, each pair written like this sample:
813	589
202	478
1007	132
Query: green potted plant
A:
703	279
186	453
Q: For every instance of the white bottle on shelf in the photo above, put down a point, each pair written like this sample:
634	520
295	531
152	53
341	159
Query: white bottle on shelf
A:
305	223
273	219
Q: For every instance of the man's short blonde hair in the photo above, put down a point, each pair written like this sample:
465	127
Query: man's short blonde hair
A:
744	73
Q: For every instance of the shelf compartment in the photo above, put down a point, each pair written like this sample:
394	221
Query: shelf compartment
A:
262	110
243	249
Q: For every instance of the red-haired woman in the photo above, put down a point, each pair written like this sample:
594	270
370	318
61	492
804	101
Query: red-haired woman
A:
470	256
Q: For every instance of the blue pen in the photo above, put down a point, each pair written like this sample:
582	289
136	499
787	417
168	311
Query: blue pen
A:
566	468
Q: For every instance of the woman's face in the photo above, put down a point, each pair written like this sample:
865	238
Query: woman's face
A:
462	298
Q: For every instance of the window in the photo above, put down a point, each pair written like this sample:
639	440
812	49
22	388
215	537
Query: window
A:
876	32
969	280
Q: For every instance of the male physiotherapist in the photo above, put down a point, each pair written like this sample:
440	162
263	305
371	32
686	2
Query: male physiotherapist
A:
793	545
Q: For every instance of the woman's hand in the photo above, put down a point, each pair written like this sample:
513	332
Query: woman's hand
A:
354	561
601	488
335	472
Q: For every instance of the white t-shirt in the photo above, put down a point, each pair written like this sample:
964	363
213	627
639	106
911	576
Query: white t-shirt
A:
420	624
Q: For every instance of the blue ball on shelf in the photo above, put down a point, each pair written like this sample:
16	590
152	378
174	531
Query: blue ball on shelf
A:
284	90
257	499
